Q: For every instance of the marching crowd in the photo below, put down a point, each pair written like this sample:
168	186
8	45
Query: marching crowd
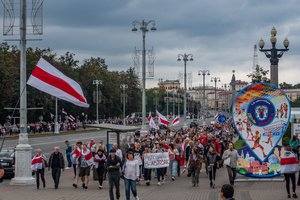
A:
187	150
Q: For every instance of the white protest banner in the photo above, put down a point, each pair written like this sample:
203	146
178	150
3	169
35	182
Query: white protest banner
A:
156	160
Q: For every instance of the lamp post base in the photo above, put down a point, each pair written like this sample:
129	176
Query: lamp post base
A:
56	128
23	174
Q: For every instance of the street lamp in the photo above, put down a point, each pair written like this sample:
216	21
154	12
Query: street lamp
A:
203	73
97	83
143	25
124	87
185	57
274	54
215	79
226	86
156	99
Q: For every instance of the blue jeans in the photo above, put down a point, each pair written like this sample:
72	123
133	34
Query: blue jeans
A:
69	160
173	167
130	184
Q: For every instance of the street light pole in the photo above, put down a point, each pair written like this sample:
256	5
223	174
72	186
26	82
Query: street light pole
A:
203	73
143	25
23	158
225	86
215	79
156	100
97	83
167	103
274	54
124	87
185	57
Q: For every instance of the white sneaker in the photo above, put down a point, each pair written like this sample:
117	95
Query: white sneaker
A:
67	168
158	183
163	181
137	198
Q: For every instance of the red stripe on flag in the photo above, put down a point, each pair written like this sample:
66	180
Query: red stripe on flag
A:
88	156
165	122
288	161
57	82
37	160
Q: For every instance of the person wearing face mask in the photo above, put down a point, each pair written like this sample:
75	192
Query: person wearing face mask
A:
232	155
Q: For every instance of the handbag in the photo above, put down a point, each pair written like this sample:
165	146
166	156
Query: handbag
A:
227	161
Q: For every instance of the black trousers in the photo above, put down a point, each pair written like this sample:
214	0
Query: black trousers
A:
114	180
100	172
287	182
147	174
38	173
212	173
56	176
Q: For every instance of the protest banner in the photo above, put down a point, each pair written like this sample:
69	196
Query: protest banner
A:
156	160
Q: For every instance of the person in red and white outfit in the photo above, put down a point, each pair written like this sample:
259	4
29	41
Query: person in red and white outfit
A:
85	163
289	167
38	165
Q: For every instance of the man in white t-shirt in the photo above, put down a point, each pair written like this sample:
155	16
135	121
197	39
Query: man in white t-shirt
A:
118	151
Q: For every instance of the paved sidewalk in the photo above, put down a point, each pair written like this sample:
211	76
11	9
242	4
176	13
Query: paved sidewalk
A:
180	189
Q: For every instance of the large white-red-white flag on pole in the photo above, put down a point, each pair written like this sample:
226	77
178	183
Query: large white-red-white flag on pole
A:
151	121
162	119
48	79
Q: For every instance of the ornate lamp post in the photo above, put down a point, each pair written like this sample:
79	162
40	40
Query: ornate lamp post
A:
274	54
143	26
203	73
185	57
123	87
215	79
97	83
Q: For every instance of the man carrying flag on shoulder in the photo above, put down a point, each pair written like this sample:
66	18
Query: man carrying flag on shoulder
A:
85	163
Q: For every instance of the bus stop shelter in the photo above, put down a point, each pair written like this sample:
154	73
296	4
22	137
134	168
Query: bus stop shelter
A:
119	134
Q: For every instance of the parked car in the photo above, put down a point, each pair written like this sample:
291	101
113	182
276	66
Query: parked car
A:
7	160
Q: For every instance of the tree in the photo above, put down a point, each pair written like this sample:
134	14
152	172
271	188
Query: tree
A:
259	75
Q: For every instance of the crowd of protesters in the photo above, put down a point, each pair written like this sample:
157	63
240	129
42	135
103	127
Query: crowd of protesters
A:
190	151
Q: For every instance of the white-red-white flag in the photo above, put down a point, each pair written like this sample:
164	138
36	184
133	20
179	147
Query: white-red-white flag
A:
88	156
216	116
71	118
151	121
48	79
63	111
162	119
37	163
76	153
175	121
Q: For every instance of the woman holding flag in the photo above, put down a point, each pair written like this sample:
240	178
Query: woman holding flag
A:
38	165
289	167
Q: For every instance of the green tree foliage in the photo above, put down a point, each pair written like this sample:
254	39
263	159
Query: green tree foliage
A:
259	75
91	69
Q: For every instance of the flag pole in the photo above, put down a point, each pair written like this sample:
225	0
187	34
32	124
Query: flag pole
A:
56	129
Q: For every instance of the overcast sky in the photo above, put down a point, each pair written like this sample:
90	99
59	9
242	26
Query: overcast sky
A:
219	33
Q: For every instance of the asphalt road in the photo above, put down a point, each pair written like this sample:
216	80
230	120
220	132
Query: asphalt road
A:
46	143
